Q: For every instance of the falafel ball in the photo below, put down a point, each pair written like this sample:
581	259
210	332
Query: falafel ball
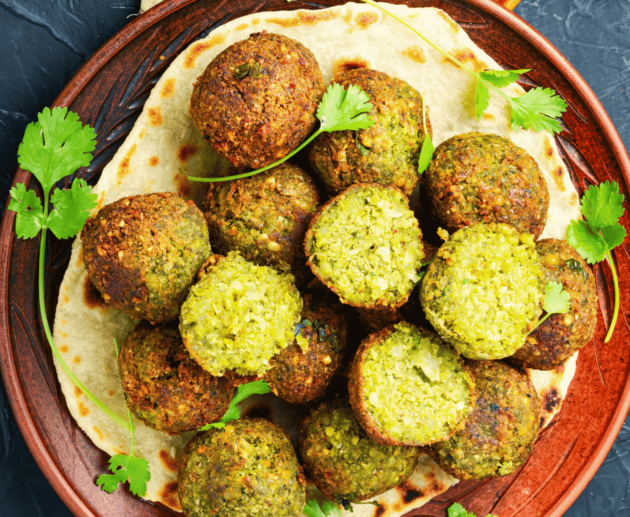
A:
365	244
247	468
561	335
143	253
344	463
407	387
387	152
501	430
484	178
264	217
256	101
301	372
239	315
164	386
483	291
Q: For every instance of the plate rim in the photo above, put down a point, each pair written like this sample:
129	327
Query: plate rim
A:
26	422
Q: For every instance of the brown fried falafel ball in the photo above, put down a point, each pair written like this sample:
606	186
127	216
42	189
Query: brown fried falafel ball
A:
143	253
385	153
256	101
301	372
264	217
500	432
561	335
484	178
164	386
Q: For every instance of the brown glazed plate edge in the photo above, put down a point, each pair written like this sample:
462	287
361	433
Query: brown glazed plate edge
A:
24	418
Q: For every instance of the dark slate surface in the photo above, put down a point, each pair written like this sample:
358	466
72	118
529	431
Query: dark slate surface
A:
44	42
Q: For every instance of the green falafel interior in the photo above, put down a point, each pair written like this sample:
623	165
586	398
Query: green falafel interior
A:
366	245
239	315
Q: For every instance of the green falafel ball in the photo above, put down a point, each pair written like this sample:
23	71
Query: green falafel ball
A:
483	291
343	461
239	315
365	245
248	468
143	253
407	387
501	430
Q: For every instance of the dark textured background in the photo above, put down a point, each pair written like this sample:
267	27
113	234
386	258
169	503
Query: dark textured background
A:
44	42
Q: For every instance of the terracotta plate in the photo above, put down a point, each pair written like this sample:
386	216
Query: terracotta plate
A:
109	92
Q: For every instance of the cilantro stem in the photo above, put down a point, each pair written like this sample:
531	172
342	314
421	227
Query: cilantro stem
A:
266	167
613	322
42	308
540	322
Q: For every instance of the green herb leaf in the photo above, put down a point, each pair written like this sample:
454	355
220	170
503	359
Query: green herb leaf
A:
502	78
234	413
557	300
55	146
482	99
589	244
126	468
537	109
426	153
602	205
457	510
30	215
327	509
71	209
342	110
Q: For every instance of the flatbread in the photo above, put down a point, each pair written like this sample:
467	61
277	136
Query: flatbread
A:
164	147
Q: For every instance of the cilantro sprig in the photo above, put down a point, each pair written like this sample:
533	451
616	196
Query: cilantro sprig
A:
126	467
234	413
595	238
457	510
326	509
537	109
339	110
426	153
557	301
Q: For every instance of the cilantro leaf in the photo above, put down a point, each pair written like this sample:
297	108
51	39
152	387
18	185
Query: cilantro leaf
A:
613	235
71	209
126	468
30	215
602	205
234	413
557	300
482	99
327	509
342	109
537	109
589	244
56	146
502	78
457	510
426	153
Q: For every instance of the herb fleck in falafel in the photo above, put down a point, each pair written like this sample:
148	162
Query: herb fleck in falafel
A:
256	101
239	315
247	468
164	386
301	372
143	253
483	291
386	153
365	244
501	430
561	335
344	463
484	178
407	387
264	217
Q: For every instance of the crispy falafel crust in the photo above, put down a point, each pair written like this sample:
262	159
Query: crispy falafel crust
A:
500	432
247	468
143	252
256	101
359	399
561	335
164	387
301	372
264	217
343	462
386	153
484	178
